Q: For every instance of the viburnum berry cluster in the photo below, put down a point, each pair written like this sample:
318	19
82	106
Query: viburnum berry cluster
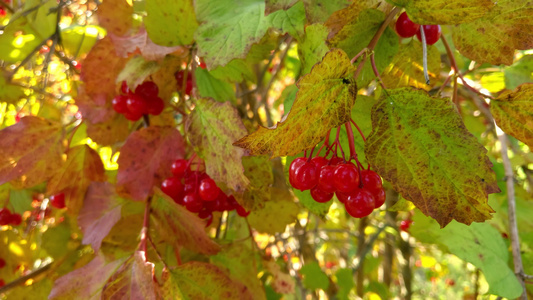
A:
144	101
8	218
407	28
184	82
198	192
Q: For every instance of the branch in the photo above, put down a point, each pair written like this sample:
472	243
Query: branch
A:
24	278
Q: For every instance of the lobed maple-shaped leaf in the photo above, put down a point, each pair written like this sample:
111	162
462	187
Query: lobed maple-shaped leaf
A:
73	177
445	12
276	214
136	71
275	5
340	18
494	37
126	45
100	212
212	128
324	101
170	23
422	147
31	151
406	68
86	282
201	281
133	280
513	112
290	21
145	159
115	16
180	227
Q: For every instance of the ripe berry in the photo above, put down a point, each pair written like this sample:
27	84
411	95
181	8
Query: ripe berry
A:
16	219
2	263
178	167
58	201
205	213
319	162
147	89
132	116
124	88
346	177
193	203
208	189
120	104
137	105
155	106
320	196
325	180
360	204
335	160
242	212
232	203
405	224
188	82
306	176
371	180
379	198
5	217
405	27
295	165
2	283
342	196
432	33
173	187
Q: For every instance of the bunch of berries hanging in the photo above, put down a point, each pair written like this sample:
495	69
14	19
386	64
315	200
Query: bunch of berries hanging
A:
407	28
144	101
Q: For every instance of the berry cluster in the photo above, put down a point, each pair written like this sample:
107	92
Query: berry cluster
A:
359	190
180	78
143	101
7	218
198	192
407	28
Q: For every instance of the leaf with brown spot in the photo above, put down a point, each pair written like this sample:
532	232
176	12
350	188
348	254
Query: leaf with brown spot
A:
126	45
324	101
133	280
318	11
212	128
421	145
31	151
342	17
275	5
100	212
73	177
115	16
513	112
445	12
145	159
169	22
202	281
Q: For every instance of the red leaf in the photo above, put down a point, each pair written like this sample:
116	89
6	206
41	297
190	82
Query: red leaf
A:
145	159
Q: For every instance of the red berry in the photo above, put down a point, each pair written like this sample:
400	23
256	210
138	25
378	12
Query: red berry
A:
132	116
205	213
360	204
342	196
405	224
137	105
346	177
178	167
325	180
2	263
155	106
208	189
432	33
2	283
202	64
124	88
371	181
120	104
319	162
193	203
58	201
147	89
306	176
188	82
242	212
173	187
232	203
320	195
335	160
405	27
295	165
16	219
5	217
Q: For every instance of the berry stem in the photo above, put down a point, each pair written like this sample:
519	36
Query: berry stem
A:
146	223
351	140
358	129
376	72
359	55
424	54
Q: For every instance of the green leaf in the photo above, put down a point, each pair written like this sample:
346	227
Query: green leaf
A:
318	11
422	147
479	244
17	41
519	73
10	93
258	170
212	128
170	23
289	21
78	40
314	277
357	34
228	28
37	290
445	12
312	46
277	213
494	38
305	198
236	70
513	112
324	101
44	20
275	5
55	240
345	282
136	71
211	87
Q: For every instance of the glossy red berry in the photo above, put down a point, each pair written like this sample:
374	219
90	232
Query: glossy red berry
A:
319	161
306	176
320	196
132	116
432	33
405	27
335	160
2	263
5	217
326	178
346	177
193	203
342	196
155	106
295	165
188	82
147	89
371	180
137	105
16	219
58	201
208	190
205	213
360	204
178	167
405	224
173	187
242	212
379	197
124	88
120	104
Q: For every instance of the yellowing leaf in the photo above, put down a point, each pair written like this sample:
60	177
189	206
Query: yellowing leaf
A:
212	128
126	45
494	38
133	280
115	16
179	227
342	17
165	78
318	11
100	212
422	147
275	5
109	132
277	213
145	159
446	12
31	151
73	177
324	101
258	170
513	112
202	281
10	93
312	46
136	71
170	23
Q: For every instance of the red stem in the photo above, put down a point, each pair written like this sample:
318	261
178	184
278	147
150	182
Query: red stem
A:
351	140
376	72
358	129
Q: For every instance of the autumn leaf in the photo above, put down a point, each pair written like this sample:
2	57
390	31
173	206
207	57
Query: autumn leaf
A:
445	12
73	177
212	128
318	11
31	151
258	170
10	93
136	71
312	46
275	5
165	77
202	281
129	44
513	112
276	214
115	16
109	132
145	159
324	101
342	17
100	212
179	227
95	108
170	23
133	280
422	147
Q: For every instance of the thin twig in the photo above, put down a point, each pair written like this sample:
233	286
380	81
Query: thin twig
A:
24	278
